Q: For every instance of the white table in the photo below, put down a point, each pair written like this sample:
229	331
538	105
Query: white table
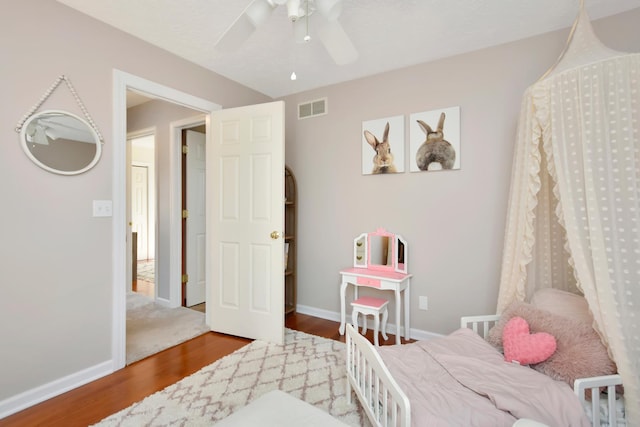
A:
383	280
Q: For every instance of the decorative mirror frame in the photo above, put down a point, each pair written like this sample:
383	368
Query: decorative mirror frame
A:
31	115
24	143
362	252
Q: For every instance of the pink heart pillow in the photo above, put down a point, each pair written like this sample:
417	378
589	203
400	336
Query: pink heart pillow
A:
524	348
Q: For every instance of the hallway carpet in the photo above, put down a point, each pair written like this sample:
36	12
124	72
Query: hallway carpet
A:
152	327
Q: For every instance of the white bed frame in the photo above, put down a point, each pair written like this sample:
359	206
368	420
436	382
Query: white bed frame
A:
386	405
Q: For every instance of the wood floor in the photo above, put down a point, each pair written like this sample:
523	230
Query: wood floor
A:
93	402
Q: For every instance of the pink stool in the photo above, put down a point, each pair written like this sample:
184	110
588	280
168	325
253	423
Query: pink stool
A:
370	306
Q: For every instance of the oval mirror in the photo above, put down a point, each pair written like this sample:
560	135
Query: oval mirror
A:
60	142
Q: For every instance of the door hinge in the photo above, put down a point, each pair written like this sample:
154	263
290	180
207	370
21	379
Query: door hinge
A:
185	214
185	278
185	149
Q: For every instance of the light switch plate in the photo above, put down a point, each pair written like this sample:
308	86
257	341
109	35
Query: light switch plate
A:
423	303
102	208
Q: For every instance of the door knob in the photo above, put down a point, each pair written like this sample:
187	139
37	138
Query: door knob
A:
275	235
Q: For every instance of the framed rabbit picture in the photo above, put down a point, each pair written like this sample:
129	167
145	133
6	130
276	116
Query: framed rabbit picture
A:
383	146
434	140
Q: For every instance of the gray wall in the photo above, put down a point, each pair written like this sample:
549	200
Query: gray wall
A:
56	304
453	220
55	309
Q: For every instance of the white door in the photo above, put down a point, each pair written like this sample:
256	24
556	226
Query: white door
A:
245	207
196	230
140	208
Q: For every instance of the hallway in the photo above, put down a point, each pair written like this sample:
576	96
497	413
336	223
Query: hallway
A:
145	282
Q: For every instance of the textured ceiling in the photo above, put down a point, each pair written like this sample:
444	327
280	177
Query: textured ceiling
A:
388	34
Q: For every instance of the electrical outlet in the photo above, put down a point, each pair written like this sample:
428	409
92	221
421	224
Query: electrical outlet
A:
423	303
102	208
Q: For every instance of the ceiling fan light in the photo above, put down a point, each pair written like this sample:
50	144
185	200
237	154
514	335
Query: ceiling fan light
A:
259	11
330	9
293	10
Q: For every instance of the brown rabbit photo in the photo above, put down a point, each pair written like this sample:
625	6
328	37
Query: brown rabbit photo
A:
433	148
387	158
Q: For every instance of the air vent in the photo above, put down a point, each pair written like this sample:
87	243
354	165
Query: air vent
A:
312	108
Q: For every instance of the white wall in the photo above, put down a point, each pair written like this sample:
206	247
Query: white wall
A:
453	220
56	259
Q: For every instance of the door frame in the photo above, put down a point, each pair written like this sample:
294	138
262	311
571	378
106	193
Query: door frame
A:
122	82
175	216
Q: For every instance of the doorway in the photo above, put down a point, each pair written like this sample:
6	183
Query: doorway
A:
256	136
152	324
142	204
122	84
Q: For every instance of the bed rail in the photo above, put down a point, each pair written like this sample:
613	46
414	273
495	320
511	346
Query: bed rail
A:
610	413
598	388
386	405
480	324
382	399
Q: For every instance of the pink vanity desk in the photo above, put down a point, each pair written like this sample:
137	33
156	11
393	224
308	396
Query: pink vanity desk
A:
383	280
380	262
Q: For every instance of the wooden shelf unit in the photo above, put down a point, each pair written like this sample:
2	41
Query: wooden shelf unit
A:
290	229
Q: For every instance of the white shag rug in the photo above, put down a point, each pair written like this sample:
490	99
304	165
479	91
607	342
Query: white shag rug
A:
308	367
152	327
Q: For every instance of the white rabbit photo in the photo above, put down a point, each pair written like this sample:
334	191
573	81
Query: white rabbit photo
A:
383	146
434	138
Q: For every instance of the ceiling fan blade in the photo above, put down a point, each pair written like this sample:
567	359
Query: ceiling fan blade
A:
330	9
252	17
259	10
337	43
40	135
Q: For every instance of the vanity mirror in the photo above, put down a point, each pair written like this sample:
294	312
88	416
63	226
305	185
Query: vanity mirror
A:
380	250
360	251
60	142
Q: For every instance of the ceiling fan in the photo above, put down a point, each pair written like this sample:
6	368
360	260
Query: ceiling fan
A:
56	126
331	34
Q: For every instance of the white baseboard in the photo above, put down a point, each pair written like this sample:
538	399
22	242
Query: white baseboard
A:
164	302
41	393
416	334
318	312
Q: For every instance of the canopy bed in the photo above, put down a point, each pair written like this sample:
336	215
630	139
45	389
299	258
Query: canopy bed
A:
574	204
570	265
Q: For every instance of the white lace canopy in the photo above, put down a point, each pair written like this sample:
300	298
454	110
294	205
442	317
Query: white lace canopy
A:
573	219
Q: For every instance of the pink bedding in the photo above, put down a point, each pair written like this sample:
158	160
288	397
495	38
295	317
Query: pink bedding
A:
461	380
